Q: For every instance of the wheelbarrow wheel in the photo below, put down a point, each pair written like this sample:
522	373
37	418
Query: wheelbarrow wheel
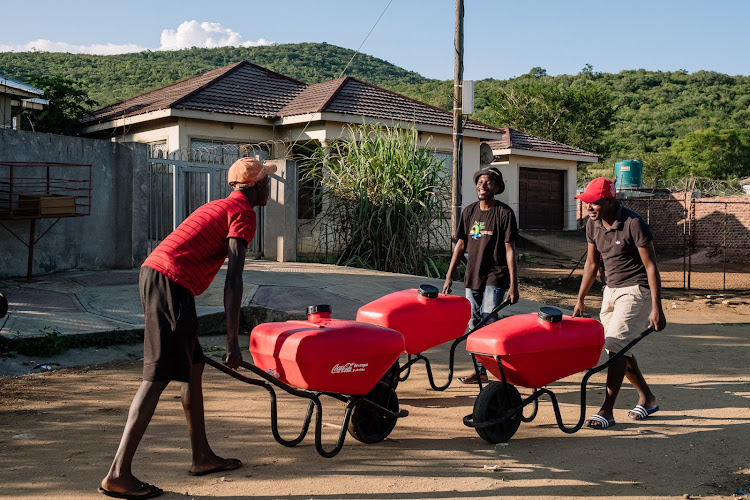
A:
370	425
493	402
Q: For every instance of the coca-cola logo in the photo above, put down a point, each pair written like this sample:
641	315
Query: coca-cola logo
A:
349	368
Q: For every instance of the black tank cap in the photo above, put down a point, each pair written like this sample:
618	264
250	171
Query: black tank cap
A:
550	314
428	291
322	308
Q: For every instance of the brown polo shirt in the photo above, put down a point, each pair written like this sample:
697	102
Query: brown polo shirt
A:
619	247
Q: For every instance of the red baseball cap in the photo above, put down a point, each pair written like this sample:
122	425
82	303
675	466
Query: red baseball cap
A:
248	171
599	188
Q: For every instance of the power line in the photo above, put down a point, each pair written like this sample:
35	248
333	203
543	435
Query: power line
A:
363	41
347	66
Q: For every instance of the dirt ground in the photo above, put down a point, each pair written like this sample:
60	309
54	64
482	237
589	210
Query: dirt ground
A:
60	429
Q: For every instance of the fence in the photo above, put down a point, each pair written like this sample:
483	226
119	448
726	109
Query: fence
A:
33	191
701	243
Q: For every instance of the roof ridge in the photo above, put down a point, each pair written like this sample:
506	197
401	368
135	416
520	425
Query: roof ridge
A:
416	101
336	90
546	140
164	88
266	70
231	68
220	74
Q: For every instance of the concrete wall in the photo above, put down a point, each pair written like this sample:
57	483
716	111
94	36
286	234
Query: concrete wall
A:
280	216
112	237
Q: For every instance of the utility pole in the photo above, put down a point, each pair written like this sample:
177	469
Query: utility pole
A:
458	76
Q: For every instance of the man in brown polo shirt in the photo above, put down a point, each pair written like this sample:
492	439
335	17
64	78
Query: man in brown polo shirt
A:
632	296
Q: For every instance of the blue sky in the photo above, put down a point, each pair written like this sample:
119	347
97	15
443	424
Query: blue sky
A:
503	39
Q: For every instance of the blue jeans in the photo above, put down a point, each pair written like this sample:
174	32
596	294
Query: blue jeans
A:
482	302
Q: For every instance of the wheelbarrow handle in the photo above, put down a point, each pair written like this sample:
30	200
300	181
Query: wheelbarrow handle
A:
621	352
492	314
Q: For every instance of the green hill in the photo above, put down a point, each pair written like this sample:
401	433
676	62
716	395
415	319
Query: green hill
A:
117	77
646	111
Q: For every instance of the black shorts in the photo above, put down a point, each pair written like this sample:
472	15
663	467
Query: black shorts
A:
170	339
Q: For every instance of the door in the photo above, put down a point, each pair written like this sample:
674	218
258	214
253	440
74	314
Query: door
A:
541	203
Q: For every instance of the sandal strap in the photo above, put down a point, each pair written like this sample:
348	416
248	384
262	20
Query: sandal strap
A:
640	411
600	419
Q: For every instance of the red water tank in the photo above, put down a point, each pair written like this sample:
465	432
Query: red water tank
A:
538	348
425	317
324	354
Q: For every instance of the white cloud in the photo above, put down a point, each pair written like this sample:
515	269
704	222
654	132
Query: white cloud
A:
42	45
188	34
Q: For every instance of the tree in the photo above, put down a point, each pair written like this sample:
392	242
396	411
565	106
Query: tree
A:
68	102
719	154
578	115
659	166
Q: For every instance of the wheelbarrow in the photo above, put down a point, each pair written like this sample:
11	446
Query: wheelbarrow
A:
344	360
532	351
426	318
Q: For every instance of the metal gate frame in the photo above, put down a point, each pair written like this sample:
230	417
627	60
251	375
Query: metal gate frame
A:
178	170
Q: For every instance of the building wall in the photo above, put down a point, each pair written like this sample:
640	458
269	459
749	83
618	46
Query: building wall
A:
178	133
109	238
6	120
511	175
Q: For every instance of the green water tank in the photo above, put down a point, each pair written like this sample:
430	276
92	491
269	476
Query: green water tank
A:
628	174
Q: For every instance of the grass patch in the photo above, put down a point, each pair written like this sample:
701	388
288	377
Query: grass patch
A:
52	342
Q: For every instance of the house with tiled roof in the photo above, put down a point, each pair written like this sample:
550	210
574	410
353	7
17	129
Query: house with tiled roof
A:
541	174
246	104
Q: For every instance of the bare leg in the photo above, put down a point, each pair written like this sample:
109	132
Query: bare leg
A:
615	376
204	458
635	377
120	477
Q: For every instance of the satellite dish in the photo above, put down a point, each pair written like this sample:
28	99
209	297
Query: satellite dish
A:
485	153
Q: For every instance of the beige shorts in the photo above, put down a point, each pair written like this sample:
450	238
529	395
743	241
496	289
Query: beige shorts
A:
624	314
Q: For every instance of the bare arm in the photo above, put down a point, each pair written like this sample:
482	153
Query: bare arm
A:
458	253
237	249
648	257
590	269
510	259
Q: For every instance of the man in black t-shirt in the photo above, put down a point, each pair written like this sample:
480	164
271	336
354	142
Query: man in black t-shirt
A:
488	233
632	296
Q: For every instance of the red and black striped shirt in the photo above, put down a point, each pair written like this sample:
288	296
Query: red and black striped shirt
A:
193	253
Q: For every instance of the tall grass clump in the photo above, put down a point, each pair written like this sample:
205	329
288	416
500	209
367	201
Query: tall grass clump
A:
383	199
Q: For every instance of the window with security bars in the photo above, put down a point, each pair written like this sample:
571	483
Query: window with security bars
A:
157	149
226	153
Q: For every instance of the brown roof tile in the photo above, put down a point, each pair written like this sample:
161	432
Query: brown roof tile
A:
246	89
514	139
353	97
241	88
313	99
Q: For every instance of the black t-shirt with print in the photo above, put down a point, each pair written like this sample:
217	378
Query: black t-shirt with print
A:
619	245
485	233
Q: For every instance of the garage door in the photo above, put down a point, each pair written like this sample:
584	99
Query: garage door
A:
541	198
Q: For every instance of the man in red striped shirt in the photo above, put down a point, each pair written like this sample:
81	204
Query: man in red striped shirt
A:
180	268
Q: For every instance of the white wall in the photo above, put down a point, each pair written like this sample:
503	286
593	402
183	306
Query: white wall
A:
511	170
